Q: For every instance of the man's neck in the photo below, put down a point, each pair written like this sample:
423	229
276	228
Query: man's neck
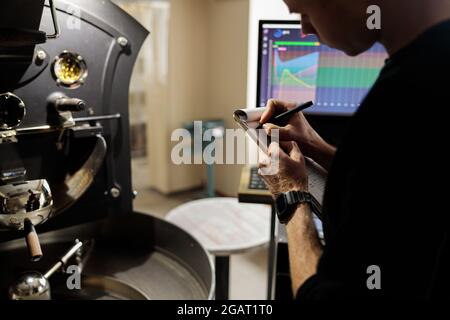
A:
412	18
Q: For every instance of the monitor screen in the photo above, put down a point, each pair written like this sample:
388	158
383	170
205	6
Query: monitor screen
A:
295	67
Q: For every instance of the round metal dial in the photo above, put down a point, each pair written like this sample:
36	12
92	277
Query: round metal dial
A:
12	111
70	70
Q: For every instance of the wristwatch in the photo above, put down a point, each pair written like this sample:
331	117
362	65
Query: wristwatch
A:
286	204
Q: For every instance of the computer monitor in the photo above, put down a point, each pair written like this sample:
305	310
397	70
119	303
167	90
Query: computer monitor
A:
295	67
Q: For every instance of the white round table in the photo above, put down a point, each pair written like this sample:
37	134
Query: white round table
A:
224	227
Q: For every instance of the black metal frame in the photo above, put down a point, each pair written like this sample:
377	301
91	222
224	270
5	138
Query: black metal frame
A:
110	65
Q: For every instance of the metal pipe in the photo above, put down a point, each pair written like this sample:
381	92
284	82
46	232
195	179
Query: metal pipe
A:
37	128
63	259
48	128
55	21
98	118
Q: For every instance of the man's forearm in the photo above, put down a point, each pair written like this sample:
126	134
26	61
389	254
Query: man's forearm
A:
304	246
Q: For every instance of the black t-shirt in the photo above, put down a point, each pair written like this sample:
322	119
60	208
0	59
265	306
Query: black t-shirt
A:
385	203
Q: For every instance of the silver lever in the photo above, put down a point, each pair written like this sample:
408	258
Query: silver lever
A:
55	21
34	285
63	261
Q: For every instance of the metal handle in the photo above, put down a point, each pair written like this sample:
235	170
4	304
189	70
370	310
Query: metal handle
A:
64	259
32	240
55	21
69	104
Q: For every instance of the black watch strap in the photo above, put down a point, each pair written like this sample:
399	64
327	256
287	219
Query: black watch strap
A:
298	197
286	204
306	197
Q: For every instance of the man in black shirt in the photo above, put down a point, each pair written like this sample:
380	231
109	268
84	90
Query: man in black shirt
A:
385	219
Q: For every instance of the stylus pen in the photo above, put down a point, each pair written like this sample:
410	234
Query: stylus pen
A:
282	119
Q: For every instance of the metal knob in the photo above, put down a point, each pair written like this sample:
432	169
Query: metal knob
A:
30	286
70	104
64	106
12	111
34	285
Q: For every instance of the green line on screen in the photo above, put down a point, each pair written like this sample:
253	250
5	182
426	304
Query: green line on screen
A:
297	43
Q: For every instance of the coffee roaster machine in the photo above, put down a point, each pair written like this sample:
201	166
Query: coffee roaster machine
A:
65	178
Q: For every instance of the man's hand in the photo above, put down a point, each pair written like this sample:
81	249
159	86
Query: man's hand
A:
299	130
291	174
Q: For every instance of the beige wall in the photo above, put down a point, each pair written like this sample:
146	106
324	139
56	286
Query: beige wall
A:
207	76
187	77
228	73
149	89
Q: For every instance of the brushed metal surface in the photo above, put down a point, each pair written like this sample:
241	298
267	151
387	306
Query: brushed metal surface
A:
95	287
154	256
